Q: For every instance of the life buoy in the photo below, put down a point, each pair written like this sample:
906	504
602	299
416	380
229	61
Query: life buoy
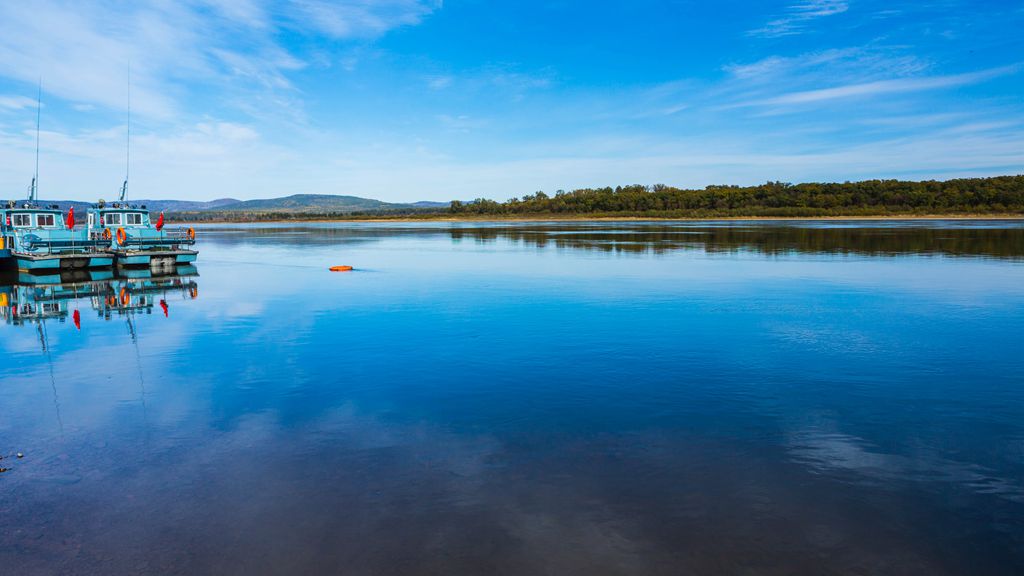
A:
125	297
191	233
122	237
106	233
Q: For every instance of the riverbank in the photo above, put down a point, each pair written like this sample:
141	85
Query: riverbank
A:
598	218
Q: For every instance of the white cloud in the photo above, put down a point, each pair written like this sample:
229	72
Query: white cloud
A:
249	13
439	82
798	16
461	123
191	162
82	51
193	63
869	89
228	131
862	62
13	102
502	79
89	62
360	18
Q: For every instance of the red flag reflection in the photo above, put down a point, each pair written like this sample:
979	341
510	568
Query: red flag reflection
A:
163	305
77	319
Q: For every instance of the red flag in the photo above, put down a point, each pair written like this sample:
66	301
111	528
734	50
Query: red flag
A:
71	218
77	319
160	222
163	304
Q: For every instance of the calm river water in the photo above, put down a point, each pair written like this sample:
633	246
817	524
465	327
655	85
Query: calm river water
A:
591	398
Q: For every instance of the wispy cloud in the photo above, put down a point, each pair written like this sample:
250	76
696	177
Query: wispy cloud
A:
799	16
504	79
862	61
869	89
360	18
461	124
82	51
439	82
16	102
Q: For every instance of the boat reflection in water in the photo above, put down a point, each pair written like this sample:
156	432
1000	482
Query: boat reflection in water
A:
35	299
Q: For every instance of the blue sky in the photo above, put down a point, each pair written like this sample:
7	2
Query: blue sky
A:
414	100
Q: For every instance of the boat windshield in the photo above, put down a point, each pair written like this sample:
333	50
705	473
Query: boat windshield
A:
34	220
114	219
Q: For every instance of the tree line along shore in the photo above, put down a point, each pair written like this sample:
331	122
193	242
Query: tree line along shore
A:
994	196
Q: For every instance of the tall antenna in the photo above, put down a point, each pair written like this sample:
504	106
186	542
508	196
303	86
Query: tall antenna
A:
128	137
35	177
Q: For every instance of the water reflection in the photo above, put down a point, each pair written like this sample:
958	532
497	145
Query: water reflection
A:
526	399
40	300
1001	242
831	452
35	299
993	239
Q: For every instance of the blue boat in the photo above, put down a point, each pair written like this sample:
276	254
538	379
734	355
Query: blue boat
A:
34	238
130	236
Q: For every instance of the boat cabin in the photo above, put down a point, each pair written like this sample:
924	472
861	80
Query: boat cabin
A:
131	234
119	216
35	237
26	217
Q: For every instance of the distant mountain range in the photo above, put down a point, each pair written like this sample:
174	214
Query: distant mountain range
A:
296	203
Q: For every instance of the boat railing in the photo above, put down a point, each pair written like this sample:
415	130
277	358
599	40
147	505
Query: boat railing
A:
36	244
167	237
180	235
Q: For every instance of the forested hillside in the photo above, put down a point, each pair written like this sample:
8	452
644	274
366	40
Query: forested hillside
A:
997	195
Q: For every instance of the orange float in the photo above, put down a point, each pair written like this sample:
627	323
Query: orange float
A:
122	236
191	233
341	268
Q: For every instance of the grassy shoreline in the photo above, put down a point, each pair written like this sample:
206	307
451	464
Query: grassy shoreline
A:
599	218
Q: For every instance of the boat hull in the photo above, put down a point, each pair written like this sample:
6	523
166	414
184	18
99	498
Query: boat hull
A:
155	258
57	262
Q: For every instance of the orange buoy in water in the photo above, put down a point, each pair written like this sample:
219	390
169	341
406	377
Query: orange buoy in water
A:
341	268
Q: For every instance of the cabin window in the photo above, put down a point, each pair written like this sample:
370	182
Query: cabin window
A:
112	219
23	220
45	220
133	218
